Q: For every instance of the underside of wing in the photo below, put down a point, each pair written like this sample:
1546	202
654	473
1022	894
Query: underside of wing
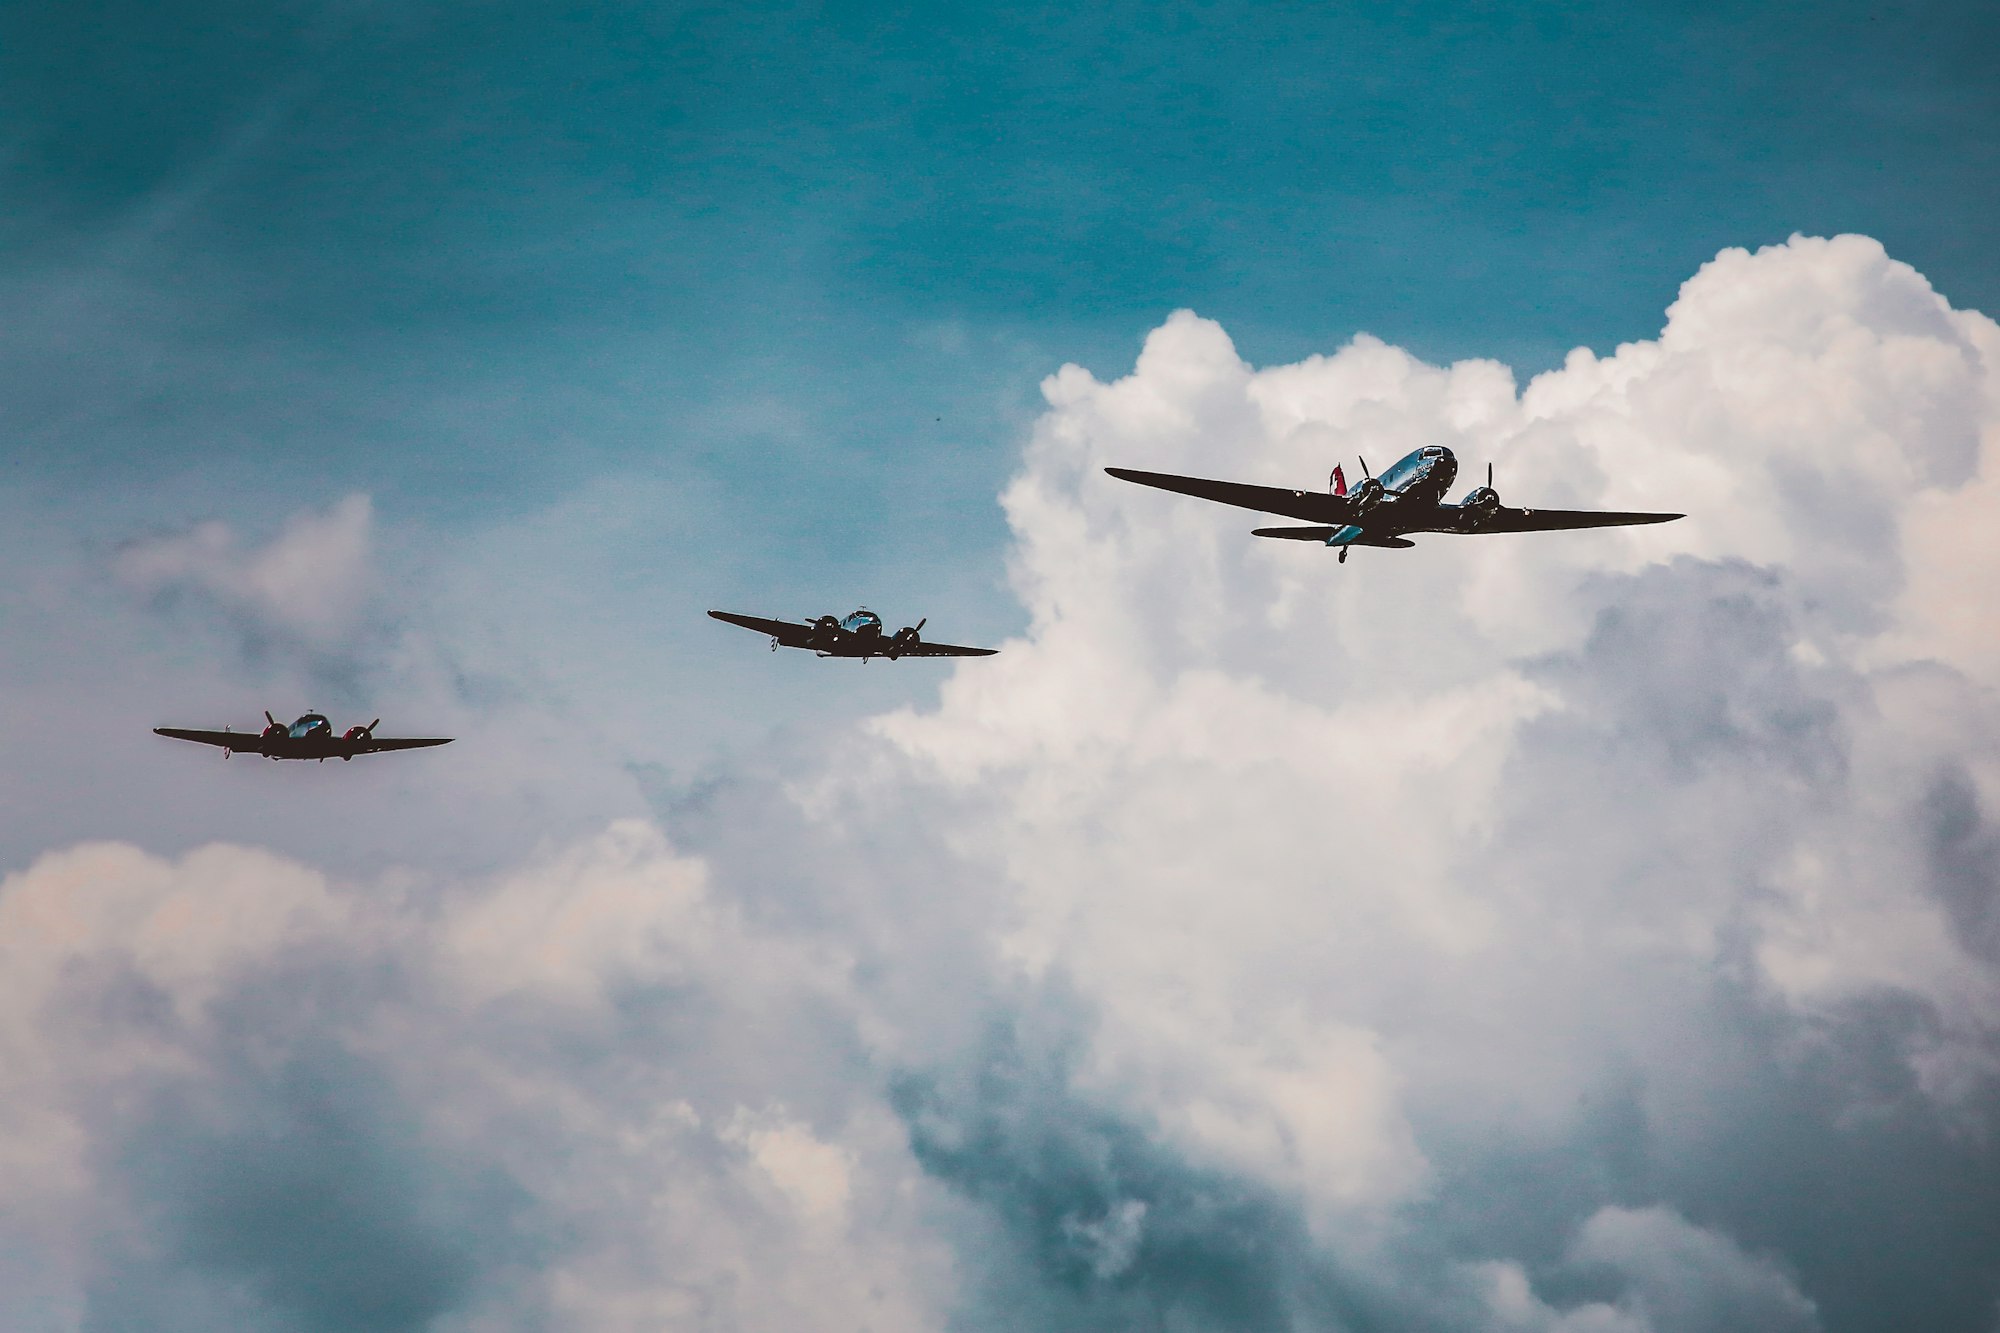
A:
1323	535
1295	534
228	740
403	743
788	632
1312	506
945	650
1557	520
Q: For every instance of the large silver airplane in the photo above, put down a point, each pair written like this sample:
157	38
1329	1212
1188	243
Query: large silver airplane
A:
1407	498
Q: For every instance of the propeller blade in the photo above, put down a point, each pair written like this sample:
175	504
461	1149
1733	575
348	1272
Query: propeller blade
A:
1364	466
369	730
921	623
1489	474
268	718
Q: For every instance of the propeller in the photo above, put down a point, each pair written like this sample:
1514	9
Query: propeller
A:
906	638
1369	492
1483	501
268	718
362	733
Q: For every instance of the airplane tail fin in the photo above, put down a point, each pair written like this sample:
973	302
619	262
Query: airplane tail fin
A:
1337	483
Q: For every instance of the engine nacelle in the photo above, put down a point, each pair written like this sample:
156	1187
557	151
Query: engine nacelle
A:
906	639
1481	504
1368	494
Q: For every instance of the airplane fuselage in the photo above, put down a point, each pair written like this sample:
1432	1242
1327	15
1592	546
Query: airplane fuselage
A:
1414	485
304	747
311	737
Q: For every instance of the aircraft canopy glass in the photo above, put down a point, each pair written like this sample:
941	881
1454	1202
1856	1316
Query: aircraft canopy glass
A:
860	620
308	724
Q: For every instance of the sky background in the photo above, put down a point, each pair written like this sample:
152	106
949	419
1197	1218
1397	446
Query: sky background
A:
445	363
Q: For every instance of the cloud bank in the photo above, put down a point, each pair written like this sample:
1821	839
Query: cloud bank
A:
1567	932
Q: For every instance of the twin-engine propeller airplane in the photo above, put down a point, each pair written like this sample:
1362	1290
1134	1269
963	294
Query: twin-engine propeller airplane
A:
311	737
859	635
1409	497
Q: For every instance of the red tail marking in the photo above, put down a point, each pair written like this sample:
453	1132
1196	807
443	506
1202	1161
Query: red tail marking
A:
1339	480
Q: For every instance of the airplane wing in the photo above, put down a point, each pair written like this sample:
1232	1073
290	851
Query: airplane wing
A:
228	740
788	632
397	743
925	648
1556	520
1313	506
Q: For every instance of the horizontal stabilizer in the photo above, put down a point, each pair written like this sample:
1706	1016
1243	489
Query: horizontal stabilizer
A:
1296	534
1322	534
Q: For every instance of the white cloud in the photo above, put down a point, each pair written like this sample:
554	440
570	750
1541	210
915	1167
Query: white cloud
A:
1671	1277
656	1183
813	1175
1255	942
1446	837
1234	778
1683	1279
310	581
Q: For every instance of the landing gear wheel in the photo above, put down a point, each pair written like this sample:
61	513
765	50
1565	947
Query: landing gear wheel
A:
1343	555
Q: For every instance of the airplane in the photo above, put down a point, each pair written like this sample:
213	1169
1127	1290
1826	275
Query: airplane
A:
859	635
311	737
1409	497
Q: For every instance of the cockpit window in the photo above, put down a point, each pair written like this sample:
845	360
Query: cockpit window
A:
1433	451
308	724
860	620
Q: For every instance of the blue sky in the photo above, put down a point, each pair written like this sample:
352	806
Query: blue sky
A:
1574	935
795	271
465	255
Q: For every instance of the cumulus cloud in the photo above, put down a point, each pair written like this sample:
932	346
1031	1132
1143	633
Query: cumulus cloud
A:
1584	931
240	1092
1367	874
309	582
1669	1275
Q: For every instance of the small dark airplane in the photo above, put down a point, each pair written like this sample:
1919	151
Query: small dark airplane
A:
1409	497
859	635
311	737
